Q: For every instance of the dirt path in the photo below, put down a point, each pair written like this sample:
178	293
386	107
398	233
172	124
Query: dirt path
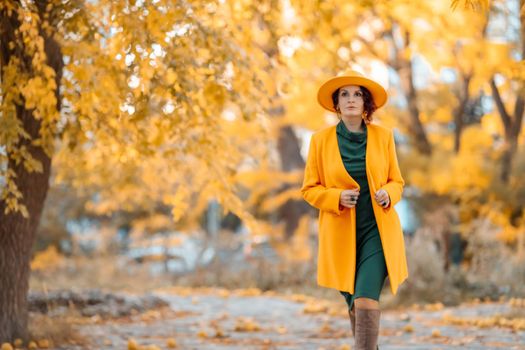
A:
252	320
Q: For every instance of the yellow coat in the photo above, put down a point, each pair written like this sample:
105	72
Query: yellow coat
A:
325	178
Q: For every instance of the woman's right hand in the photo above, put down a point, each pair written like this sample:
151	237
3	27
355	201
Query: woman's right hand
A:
348	198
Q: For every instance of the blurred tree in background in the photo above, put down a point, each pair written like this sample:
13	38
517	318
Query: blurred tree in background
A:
130	101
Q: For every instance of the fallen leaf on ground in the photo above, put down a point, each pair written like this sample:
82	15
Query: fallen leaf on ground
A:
43	343
315	308
246	325
132	344
171	343
282	330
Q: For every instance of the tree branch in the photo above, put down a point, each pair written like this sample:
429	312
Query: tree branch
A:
505	118
519	109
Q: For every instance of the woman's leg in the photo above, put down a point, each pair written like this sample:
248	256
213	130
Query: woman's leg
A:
370	278
366	303
367	316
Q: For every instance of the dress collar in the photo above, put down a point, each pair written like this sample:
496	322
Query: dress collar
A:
343	131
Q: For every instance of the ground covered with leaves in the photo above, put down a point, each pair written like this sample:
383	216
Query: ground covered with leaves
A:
213	318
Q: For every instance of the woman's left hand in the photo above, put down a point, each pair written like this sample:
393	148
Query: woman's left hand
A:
382	198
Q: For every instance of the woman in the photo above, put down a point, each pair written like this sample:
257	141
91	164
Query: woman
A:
352	176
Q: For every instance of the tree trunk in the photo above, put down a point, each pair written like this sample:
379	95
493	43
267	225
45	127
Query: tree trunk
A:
507	160
415	126
17	234
292	211
511	123
512	126
287	144
405	70
460	110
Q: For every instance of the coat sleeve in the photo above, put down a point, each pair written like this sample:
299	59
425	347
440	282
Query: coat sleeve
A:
313	191
395	182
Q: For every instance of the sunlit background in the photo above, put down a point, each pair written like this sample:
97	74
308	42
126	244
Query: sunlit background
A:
179	146
184	142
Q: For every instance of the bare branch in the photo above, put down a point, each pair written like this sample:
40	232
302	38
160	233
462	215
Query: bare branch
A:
519	109
505	118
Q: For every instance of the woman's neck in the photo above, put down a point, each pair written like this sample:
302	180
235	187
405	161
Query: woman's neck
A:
354	124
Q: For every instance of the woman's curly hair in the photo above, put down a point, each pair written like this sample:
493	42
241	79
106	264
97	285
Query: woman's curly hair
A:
369	106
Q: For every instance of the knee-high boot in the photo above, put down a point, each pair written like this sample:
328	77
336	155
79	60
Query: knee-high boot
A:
366	328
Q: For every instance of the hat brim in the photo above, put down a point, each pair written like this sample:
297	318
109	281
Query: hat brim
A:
324	95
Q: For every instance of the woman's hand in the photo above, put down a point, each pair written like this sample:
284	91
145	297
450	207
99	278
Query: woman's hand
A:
382	198
348	198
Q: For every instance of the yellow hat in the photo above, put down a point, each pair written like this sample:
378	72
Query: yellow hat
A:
324	95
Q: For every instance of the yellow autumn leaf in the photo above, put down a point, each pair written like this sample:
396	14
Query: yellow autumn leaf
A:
171	343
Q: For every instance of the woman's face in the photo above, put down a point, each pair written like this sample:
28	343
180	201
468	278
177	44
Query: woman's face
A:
351	102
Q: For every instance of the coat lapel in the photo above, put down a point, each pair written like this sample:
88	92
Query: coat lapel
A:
342	177
370	147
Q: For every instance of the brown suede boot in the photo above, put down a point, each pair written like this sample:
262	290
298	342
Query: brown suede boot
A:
351	313
367	328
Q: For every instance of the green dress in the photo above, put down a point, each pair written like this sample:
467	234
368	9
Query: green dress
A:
371	268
